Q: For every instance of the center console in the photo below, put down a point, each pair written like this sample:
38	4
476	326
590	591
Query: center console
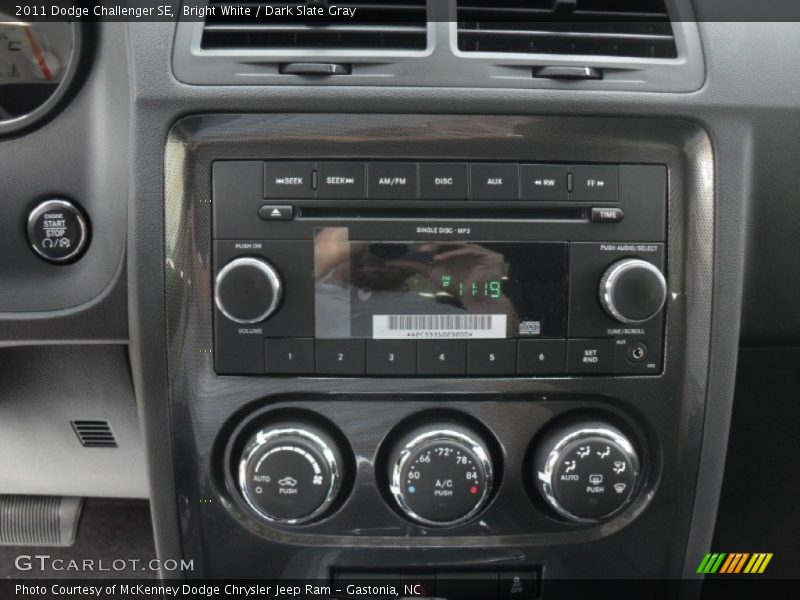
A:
432	349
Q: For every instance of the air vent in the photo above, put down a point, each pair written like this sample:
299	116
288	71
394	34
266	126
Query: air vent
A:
376	24
94	434
625	28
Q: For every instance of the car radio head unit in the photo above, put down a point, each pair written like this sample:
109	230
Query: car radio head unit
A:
322	269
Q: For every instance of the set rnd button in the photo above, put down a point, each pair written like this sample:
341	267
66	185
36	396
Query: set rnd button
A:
593	357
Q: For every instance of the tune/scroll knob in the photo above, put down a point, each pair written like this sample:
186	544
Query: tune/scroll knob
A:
587	471
633	291
441	475
290	473
248	290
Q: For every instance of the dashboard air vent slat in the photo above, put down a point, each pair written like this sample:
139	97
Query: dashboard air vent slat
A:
94	434
377	25
625	28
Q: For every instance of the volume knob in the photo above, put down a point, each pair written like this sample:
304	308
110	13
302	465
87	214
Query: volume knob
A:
248	290
633	291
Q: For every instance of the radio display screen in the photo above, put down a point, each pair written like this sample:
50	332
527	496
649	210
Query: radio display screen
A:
438	289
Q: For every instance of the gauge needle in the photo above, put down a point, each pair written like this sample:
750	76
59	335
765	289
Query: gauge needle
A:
38	56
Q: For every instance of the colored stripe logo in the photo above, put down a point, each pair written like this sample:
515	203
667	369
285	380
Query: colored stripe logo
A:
734	563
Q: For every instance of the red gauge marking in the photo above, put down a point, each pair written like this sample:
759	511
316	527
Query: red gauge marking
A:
37	54
473	489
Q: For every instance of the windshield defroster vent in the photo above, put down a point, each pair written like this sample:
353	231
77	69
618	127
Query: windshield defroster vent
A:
375	24
624	28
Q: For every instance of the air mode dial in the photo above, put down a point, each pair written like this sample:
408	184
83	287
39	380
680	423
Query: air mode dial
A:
248	290
290	473
586	472
633	291
441	475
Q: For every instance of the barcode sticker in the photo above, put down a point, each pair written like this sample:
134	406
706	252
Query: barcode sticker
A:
398	327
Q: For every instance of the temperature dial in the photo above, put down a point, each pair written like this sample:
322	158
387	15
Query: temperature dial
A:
290	473
587	472
248	290
441	476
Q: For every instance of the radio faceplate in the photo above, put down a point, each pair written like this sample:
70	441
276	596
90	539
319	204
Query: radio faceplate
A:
355	268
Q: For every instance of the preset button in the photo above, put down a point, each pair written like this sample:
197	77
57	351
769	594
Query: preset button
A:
541	357
391	357
290	356
445	357
340	357
492	357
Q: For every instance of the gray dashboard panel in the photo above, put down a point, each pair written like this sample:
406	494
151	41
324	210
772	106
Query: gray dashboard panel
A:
47	311
42	389
82	154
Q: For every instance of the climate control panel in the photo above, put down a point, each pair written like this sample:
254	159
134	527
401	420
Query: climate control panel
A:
438	471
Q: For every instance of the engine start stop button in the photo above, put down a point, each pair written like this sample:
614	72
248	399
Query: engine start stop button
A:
58	231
